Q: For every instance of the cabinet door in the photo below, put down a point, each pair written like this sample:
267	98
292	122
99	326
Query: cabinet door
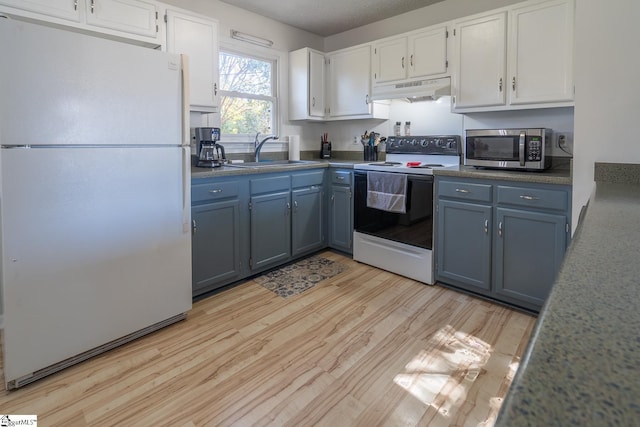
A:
197	38
529	249
390	60
215	244
341	218
65	9
479	77
316	84
270	229
350	81
463	245
428	53
541	53
306	221
130	16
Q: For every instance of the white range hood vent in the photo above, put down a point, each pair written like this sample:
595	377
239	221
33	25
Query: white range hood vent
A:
419	90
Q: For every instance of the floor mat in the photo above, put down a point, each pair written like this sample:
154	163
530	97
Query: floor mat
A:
296	278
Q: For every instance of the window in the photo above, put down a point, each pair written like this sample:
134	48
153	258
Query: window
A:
247	94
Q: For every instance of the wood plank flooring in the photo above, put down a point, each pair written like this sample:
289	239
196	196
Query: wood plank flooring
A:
364	348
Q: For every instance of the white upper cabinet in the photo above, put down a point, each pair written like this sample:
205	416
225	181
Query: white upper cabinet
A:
390	60
541	53
317	78
133	19
428	52
417	54
306	85
519	57
130	16
197	37
350	85
64	9
479	74
349	82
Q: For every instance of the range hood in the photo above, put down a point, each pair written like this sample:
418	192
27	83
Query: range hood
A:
414	91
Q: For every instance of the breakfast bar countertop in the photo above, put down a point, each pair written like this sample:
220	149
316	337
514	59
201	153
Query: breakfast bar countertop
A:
581	366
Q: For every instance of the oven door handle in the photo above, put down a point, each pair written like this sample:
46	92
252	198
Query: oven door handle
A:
521	147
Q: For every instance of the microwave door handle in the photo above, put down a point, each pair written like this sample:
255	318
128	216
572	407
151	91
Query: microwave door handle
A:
521	148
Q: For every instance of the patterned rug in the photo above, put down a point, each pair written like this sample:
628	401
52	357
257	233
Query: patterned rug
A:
296	278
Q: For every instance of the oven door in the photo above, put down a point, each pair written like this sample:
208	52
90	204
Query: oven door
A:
415	227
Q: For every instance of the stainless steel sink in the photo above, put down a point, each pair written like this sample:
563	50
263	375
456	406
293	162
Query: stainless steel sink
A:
270	163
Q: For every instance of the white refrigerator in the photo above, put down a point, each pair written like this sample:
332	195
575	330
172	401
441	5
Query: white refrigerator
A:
94	196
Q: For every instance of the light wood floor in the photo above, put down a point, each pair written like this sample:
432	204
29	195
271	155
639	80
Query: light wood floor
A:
364	348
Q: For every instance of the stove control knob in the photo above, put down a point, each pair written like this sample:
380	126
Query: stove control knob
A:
413	142
424	143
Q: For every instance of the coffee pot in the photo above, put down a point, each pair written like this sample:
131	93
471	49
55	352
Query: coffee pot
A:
210	153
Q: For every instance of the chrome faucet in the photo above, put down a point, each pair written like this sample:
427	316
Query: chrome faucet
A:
258	145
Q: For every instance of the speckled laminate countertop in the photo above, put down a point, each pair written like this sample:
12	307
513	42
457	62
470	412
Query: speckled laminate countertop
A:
582	366
549	176
197	172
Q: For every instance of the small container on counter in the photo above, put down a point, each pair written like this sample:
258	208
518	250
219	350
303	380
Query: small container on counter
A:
396	129
407	128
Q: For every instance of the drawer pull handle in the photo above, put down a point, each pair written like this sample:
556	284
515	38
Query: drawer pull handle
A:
218	190
529	197
486	226
340	177
462	190
194	226
500	229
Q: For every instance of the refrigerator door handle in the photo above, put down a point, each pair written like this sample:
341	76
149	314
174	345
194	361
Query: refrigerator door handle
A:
186	148
186	133
186	189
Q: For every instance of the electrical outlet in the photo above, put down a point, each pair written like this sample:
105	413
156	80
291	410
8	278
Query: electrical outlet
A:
355	139
562	140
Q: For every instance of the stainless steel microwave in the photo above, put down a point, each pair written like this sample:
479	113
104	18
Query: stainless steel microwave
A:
525	149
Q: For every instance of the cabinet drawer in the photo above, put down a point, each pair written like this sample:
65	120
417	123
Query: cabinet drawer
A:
307	179
465	191
270	185
214	191
533	197
341	177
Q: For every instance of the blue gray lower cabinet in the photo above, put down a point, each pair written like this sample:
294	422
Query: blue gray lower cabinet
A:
504	240
341	209
249	223
464	244
216	242
307	223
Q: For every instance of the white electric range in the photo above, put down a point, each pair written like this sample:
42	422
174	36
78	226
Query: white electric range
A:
402	242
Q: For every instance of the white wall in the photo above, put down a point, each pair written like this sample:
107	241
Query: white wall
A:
427	118
607	105
429	15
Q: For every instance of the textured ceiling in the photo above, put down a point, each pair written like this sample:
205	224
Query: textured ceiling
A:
328	17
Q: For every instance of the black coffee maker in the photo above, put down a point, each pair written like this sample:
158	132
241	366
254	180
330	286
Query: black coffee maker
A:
210	153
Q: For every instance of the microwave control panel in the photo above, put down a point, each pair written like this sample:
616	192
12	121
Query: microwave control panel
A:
534	149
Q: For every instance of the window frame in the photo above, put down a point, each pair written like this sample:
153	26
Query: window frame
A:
262	54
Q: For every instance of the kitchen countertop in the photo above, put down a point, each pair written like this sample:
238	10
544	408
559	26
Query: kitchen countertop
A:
560	176
197	172
582	363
